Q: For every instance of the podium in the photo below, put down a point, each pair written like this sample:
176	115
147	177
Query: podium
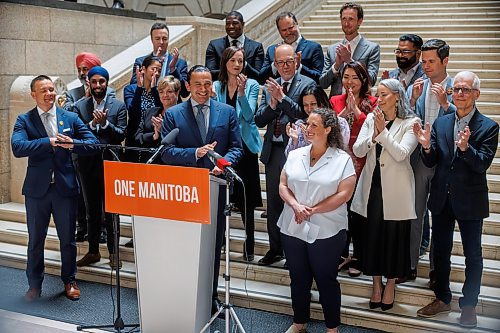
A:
174	217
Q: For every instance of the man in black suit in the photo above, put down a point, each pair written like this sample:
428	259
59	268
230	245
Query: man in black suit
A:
461	146
279	107
310	58
254	51
106	117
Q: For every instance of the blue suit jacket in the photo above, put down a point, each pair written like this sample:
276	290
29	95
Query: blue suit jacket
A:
223	127
462	174
312	60
246	106
180	72
29	139
420	103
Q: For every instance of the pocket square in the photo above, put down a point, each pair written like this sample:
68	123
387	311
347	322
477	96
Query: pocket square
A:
66	130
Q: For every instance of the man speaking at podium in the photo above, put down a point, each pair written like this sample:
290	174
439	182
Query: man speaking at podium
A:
204	125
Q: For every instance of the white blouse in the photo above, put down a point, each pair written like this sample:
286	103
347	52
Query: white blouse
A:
311	185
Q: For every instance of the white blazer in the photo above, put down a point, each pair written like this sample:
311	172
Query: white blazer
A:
311	185
398	183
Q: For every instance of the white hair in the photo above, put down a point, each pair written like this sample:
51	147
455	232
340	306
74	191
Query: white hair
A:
476	83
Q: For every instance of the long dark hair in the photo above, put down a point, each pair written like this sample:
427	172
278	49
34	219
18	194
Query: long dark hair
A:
318	93
329	118
364	91
226	55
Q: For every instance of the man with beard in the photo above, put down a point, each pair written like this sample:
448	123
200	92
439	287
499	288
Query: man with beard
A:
310	56
431	100
408	59
106	117
353	47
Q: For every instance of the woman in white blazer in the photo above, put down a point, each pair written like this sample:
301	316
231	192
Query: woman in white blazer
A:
235	89
385	194
315	185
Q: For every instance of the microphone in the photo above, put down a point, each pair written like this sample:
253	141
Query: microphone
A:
167	140
223	164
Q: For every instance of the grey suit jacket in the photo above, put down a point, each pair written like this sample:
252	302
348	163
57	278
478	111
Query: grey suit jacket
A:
367	53
288	110
394	74
76	94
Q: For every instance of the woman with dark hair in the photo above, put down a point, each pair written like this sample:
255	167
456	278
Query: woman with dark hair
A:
310	99
140	97
354	106
148	134
315	185
385	193
235	89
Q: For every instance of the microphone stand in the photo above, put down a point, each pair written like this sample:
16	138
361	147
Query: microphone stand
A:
226	306
118	324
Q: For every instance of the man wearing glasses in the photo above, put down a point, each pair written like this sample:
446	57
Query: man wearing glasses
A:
352	47
461	147
310	57
408	60
279	107
431	99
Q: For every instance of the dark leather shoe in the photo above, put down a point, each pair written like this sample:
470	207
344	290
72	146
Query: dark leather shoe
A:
130	243
248	257
269	259
113	262
411	277
436	307
32	294
88	259
468	318
72	291
264	214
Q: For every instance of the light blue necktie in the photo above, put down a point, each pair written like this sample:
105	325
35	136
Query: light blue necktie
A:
200	120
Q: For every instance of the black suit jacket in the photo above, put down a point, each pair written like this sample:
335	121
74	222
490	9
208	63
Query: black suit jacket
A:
254	56
461	174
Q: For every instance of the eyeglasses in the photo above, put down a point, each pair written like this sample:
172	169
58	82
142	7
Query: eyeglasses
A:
465	91
282	63
404	52
96	82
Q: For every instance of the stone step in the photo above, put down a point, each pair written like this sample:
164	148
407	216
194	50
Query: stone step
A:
369	4
394	35
419	27
393	40
491	10
445	16
454	56
412	293
422	23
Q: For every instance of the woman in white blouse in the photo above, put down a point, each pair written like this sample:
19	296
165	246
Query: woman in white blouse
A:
385	194
316	182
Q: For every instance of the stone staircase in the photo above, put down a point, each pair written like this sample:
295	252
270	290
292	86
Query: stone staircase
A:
474	37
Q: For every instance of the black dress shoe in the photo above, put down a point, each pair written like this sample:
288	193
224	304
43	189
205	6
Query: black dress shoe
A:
384	306
270	259
248	257
130	243
374	305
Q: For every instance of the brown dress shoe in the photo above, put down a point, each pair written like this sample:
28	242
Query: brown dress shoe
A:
113	262
468	317
88	259
432	309
32	294
72	291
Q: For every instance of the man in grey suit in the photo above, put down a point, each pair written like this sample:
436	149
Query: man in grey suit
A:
352	47
279	106
106	117
408	59
431	99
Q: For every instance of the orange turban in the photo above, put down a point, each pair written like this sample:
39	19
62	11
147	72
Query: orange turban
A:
87	59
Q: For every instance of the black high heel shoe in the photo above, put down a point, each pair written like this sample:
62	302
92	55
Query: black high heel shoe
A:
374	305
384	306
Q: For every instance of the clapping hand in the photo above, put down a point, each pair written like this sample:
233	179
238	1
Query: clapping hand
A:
423	135
99	117
157	123
344	53
173	62
140	76
462	141
292	132
241	81
380	122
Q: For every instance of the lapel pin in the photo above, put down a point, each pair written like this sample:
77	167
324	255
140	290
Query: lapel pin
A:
61	123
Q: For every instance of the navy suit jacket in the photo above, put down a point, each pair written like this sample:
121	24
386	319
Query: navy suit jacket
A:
223	127
254	56
180	72
461	174
29	139
312	60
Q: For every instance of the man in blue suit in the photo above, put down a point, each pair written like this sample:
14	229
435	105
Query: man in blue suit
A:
461	147
46	135
204	125
254	51
310	54
171	63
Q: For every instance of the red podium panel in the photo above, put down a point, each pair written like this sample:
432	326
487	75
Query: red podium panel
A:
161	191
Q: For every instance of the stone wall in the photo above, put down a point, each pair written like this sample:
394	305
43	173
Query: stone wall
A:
40	40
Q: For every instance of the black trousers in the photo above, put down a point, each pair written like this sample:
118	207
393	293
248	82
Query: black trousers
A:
318	260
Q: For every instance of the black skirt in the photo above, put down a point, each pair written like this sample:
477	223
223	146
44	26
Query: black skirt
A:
248	169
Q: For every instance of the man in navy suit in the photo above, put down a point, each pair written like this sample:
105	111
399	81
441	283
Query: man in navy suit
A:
106	117
46	135
254	51
461	147
171	63
310	58
204	125
352	47
279	107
